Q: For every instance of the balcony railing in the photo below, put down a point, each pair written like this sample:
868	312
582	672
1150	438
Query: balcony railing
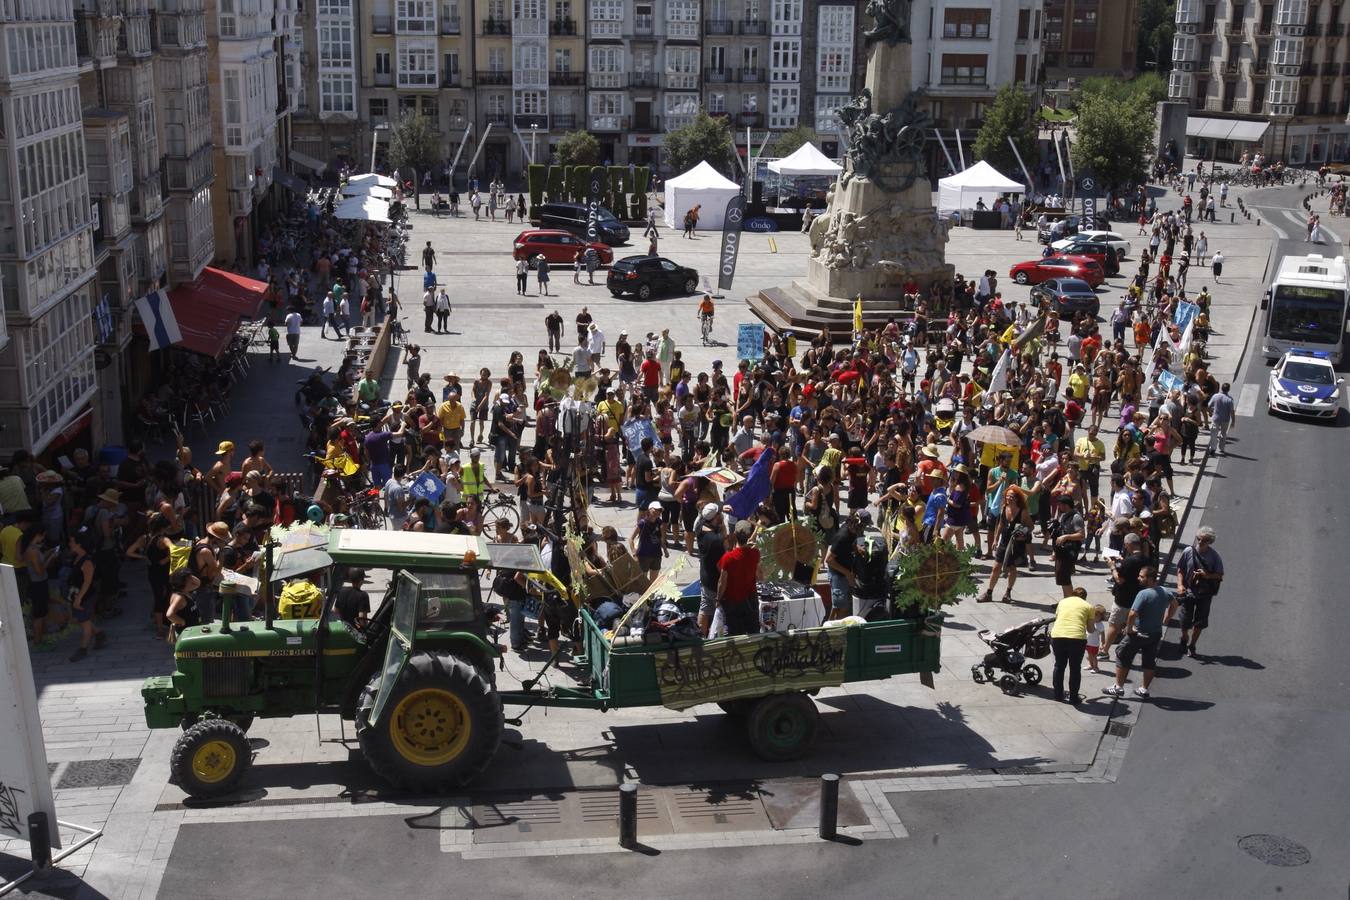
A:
1336	29
604	80
751	75
1265	29
564	79
382	24
384	79
1235	26
1261	67
564	122
1331	68
644	79
643	26
496	119
718	76
531	123
608	123
720	27
562	26
451	79
1313	29
643	126
753	119
494	76
450	25
496	26
752	26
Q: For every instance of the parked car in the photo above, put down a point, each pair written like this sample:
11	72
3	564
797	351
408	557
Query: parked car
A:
1035	271
1102	254
1057	227
1110	238
575	218
648	275
1068	296
557	246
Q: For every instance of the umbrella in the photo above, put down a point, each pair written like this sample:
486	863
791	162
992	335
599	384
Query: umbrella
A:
371	178
369	189
995	434
364	209
719	475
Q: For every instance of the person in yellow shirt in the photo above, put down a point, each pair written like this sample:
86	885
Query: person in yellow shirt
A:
1068	640
611	408
1088	452
451	416
1079	383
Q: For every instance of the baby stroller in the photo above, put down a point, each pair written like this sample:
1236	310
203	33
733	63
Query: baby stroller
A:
1011	650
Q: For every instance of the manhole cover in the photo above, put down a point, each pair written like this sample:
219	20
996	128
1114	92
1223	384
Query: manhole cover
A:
94	773
1274	850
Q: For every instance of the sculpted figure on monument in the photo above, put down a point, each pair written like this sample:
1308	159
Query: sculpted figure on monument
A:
892	22
888	148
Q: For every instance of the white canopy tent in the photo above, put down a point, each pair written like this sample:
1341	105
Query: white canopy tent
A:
805	160
961	191
701	186
371	178
367	189
363	209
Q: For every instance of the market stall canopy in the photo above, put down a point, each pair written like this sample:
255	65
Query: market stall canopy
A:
704	187
363	209
962	190
1225	129
207	312
371	178
367	189
805	160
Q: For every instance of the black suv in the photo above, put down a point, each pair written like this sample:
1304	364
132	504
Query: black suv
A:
575	218
647	275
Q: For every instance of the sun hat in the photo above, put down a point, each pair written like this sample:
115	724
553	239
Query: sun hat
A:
219	531
112	495
930	451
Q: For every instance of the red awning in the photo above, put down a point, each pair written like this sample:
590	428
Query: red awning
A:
209	309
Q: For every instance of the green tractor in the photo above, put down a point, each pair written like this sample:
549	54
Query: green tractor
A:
418	681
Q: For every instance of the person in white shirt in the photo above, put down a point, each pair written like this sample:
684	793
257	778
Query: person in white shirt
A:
329	317
293	322
596	344
442	312
581	358
344	312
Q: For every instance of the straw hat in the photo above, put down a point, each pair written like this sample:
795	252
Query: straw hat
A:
219	530
112	495
930	451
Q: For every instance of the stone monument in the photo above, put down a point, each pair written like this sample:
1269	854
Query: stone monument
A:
880	229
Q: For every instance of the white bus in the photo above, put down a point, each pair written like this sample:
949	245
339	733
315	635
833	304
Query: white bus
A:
1307	306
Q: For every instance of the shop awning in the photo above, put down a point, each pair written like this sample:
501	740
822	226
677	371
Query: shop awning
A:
307	161
1226	129
281	176
208	310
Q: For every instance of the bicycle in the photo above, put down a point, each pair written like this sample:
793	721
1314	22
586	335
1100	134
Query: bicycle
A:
501	507
706	324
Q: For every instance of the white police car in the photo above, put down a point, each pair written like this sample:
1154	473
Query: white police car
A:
1304	383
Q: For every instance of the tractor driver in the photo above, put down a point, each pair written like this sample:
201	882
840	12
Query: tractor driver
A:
301	598
352	604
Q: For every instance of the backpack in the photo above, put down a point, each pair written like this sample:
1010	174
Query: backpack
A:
180	554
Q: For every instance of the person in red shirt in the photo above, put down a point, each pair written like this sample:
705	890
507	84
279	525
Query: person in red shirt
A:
651	376
1091	346
783	481
736	585
931	470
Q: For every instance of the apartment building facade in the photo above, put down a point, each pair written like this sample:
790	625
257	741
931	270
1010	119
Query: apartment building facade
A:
47	272
1090	37
1272	75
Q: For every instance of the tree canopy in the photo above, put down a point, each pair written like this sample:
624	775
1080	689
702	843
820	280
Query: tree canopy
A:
1114	139
705	138
414	144
789	142
578	148
1150	87
1011	115
1157	23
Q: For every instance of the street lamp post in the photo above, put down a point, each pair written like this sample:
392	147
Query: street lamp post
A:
534	133
375	143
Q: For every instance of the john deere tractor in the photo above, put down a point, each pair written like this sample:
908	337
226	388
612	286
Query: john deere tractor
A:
417	681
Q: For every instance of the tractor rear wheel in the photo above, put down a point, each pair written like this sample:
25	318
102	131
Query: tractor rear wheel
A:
782	726
442	724
210	758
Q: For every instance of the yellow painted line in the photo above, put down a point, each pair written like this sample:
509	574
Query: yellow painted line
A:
773	246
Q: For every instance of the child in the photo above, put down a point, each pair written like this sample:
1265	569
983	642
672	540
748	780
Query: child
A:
273	342
1096	518
1095	631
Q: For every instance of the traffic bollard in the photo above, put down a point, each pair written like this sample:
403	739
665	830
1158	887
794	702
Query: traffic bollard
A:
829	807
628	816
1232	217
40	841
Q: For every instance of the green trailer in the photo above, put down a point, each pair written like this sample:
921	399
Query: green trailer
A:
419	681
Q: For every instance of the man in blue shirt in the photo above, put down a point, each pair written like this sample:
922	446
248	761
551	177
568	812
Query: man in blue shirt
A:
1144	628
936	509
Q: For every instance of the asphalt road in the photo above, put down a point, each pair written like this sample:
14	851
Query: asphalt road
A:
1248	740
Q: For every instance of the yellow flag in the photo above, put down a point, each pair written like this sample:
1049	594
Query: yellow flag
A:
857	315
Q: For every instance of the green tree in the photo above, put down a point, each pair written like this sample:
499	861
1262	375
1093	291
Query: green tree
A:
1150	88
790	142
414	145
1156	26
578	148
1114	140
1011	115
705	138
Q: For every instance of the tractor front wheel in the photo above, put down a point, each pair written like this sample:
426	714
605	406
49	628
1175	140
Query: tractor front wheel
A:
243	720
440	728
210	758
782	726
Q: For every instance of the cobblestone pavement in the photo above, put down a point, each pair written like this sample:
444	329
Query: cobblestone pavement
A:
110	771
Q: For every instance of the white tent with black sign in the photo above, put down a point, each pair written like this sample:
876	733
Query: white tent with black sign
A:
981	181
704	187
805	160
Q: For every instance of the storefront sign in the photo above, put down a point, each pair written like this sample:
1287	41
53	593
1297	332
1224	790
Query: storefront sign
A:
751	666
646	140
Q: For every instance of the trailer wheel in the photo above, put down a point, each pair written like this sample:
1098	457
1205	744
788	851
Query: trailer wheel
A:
210	758
442	724
782	726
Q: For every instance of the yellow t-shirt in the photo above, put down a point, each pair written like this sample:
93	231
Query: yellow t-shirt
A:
451	415
831	459
612	410
1073	618
1079	383
9	546
1089	452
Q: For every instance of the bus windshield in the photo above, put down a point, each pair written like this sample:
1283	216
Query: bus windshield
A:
1307	314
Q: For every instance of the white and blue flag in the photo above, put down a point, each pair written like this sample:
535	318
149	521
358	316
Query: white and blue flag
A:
157	316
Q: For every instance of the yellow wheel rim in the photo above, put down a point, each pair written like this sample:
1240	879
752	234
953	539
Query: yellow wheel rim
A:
214	761
430	727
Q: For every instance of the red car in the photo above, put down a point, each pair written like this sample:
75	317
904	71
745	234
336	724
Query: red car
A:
558	247
1035	271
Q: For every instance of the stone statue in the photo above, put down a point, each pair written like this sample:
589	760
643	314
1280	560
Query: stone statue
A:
888	148
892	22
